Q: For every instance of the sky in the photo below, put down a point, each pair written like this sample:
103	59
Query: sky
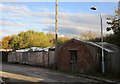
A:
75	18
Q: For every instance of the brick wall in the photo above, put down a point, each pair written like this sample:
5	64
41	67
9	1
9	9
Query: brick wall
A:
85	61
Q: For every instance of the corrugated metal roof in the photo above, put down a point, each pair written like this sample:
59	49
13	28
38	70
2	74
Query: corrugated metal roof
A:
34	49
106	46
30	49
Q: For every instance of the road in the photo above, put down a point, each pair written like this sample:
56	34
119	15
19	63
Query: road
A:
24	73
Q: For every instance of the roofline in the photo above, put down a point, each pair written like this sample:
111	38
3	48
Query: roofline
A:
89	43
101	47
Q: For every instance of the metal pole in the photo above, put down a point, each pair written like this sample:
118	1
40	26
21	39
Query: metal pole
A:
56	24
103	61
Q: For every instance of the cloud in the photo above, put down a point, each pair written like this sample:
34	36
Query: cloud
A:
77	23
13	11
7	31
63	30
10	31
22	11
69	23
5	23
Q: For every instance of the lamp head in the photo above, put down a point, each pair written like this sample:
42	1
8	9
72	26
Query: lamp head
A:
93	8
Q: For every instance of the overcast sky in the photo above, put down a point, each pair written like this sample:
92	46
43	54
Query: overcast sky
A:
75	18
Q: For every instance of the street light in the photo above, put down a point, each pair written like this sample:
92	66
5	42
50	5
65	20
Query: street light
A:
103	61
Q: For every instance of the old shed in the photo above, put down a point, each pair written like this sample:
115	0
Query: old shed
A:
83	57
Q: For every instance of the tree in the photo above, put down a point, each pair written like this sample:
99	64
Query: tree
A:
0	44
114	22
88	35
115	26
62	40
5	42
31	38
15	42
51	38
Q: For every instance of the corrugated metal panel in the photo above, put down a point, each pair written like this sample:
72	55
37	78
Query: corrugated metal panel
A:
45	59
32	58
19	57
35	58
51	58
25	57
12	57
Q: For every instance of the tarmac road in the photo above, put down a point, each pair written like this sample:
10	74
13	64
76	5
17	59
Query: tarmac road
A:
16	73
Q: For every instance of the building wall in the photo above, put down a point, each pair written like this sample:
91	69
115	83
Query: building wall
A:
89	58
85	62
96	53
119	60
19	57
45	55
112	63
31	58
51	59
35	58
3	56
24	57
12	57
0	56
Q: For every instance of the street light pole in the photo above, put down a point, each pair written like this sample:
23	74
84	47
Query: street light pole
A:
103	60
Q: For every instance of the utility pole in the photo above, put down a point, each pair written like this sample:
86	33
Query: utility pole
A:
56	32
56	24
